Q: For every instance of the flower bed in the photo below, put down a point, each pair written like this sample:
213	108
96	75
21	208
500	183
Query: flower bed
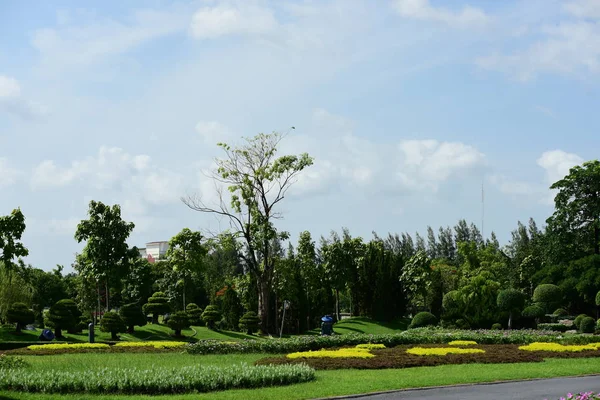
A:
462	343
441	351
340	353
556	347
156	344
370	346
68	346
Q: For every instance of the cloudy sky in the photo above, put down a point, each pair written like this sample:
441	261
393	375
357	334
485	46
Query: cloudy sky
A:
406	105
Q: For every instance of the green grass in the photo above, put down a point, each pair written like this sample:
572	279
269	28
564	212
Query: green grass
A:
366	325
344	382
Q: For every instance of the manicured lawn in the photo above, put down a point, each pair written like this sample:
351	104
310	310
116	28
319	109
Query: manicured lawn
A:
344	382
366	325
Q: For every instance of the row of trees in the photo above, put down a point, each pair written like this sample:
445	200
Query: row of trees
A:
453	271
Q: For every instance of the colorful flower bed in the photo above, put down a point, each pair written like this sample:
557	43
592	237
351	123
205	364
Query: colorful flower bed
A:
441	351
340	353
582	396
462	343
556	347
156	344
68	346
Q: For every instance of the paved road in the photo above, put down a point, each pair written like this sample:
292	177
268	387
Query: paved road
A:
551	389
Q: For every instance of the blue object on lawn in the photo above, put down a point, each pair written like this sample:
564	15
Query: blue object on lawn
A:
47	335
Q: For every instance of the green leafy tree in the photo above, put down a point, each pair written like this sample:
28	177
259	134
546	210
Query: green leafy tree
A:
158	304
132	315
232	308
186	254
210	315
113	323
137	283
480	296
511	301
178	321
106	248
257	181
63	315
11	229
249	322
416	279
194	313
21	315
548	296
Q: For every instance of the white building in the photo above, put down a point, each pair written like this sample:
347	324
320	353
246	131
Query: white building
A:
154	250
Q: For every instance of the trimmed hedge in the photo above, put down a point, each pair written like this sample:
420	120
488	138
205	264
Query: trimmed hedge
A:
578	320
423	319
587	325
554	327
190	379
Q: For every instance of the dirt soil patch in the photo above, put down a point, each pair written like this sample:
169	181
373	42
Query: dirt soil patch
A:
398	358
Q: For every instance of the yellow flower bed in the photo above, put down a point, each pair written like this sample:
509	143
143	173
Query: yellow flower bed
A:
370	346
341	353
441	351
462	343
541	346
61	346
156	344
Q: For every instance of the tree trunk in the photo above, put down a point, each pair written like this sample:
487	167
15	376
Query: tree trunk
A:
58	332
113	335
178	332
107	294
130	329
18	328
510	317
263	306
97	316
155	319
337	305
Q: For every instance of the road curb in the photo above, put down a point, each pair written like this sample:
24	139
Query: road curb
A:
353	396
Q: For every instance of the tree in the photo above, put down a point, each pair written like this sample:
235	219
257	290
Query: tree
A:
20	314
137	284
158	304
63	315
210	315
194	313
548	296
232	308
577	206
11	229
106	248
186	253
257	181
416	278
510	300
177	321
132	315
113	323
249	322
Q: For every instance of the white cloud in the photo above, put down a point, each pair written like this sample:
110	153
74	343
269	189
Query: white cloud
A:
8	174
12	101
239	19
421	10
557	164
9	87
213	132
584	8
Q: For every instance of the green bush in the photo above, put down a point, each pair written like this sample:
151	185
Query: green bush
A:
462	324
11	362
598	298
132	315
578	319
532	312
553	327
511	301
63	315
158	304
452	304
113	323
21	315
210	315
587	325
249	322
560	312
423	319
547	295
153	381
177	321
496	326
194	313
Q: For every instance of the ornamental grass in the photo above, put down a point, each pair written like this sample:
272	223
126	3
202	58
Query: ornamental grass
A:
556	347
441	351
340	353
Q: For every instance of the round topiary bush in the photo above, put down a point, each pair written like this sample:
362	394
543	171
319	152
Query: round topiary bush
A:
210	315
510	300
177	321
113	323
547	295
497	326
63	315
21	315
132	315
560	312
194	314
249	322
577	320
158	304
532	312
422	319
587	325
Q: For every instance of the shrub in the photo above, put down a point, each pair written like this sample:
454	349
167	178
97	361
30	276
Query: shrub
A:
510	300
587	325
232	309
497	326
423	319
158	304
159	344
532	312
249	322
132	315
598	298
547	295
463	324
452	304
11	362
194	314
63	315
177	321
152	381
20	314
210	315
113	323
553	327
560	312
578	319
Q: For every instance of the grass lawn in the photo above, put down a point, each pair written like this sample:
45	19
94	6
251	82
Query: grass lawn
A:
366	325
328	383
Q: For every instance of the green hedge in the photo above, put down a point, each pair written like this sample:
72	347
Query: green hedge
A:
413	336
190	379
555	327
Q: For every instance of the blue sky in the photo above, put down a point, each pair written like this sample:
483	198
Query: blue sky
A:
406	105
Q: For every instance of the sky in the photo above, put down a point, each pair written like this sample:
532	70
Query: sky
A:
408	107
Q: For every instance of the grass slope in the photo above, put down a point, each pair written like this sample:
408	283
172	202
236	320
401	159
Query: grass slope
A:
345	382
366	325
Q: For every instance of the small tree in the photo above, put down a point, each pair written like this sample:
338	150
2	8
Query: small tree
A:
132	315
510	300
548	296
177	321
113	323
20	314
249	322
232	308
194	314
210	315
534	312
62	315
157	305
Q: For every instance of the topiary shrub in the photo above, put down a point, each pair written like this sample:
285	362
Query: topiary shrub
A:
587	325
63	315
21	315
194	314
249	322
598	298
132	315
177	321
533	313
453	305
422	319
510	300
158	304
553	327
113	323
560	312
210	315
497	326
577	320
547	295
